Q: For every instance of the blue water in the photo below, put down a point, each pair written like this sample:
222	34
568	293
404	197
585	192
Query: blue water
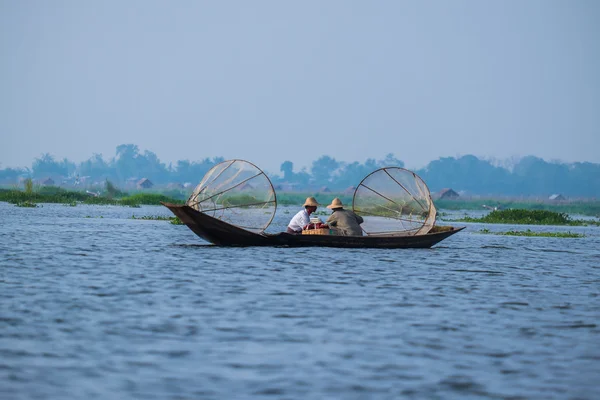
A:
117	308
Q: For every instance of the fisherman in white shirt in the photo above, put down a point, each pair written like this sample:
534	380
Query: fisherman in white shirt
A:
302	218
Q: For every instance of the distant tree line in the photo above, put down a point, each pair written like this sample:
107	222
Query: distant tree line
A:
530	176
129	164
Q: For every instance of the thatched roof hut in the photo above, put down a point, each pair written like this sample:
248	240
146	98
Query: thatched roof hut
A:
447	194
144	183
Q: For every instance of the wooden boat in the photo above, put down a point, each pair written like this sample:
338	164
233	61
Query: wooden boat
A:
221	233
235	202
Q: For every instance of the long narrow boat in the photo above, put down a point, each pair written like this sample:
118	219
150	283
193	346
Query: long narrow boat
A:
235	203
221	233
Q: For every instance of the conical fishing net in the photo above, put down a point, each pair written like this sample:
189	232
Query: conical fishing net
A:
238	193
394	201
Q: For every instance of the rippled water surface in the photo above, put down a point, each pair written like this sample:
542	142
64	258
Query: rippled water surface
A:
94	304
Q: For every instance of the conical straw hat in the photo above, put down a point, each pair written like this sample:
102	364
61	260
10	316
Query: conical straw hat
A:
336	203
310	201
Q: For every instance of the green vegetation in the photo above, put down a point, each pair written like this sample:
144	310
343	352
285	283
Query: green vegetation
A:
152	199
111	190
528	217
100	201
173	220
394	210
239	200
28	185
41	195
591	208
50	194
26	203
534	217
531	233
153	217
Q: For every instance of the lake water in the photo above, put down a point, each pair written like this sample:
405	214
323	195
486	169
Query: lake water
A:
94	304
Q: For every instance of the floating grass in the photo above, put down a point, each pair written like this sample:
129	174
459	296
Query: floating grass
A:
530	233
240	200
152	217
62	196
528	217
173	220
152	199
26	203
101	201
56	195
590	207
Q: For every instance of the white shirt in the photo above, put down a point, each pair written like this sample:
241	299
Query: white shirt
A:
299	220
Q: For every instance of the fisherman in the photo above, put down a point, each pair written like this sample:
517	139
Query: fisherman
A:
302	219
345	222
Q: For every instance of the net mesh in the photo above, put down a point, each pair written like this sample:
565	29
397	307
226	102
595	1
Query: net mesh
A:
394	201
237	192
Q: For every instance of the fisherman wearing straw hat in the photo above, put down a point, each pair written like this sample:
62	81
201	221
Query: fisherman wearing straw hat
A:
302	218
345	222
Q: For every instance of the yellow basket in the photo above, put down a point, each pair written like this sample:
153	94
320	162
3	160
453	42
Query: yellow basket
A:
322	231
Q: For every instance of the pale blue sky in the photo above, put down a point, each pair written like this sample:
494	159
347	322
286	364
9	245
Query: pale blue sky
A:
270	81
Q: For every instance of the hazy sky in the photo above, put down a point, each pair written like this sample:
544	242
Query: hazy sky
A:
270	81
